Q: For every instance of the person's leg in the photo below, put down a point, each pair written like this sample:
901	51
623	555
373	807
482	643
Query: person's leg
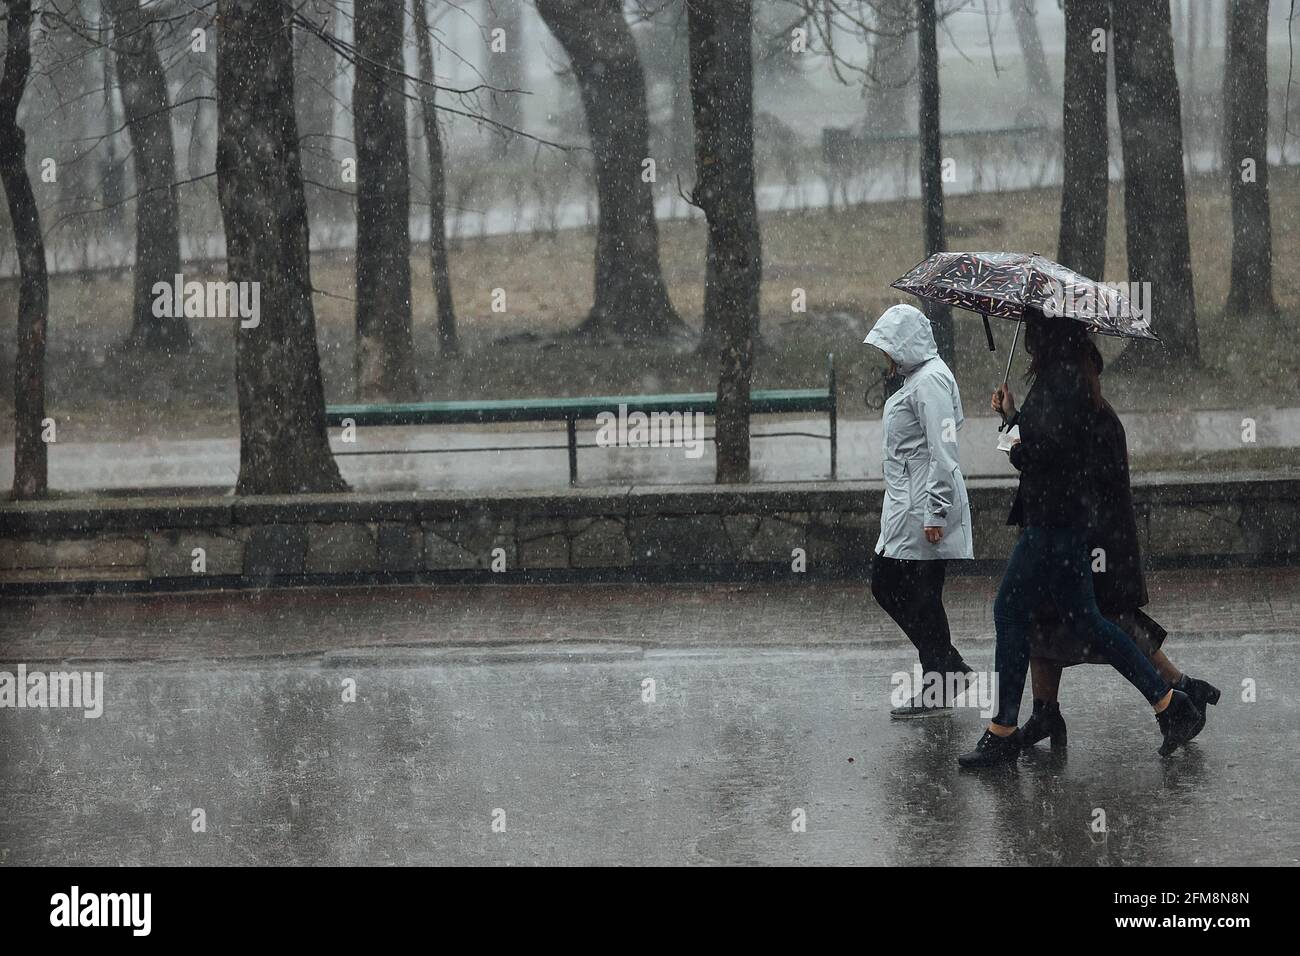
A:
932	618
884	582
1045	679
1019	594
1046	720
911	593
1166	667
1073	595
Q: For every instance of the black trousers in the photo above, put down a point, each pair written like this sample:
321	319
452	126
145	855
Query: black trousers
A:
911	592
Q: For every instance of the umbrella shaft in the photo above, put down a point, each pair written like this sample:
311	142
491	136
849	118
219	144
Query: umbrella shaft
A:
1014	339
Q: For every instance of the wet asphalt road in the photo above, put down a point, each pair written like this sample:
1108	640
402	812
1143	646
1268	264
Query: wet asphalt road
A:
556	745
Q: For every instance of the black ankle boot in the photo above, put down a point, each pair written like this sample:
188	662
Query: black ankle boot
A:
1179	722
992	750
1201	692
1046	721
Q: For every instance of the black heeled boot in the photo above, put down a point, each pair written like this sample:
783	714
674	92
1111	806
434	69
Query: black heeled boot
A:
992	750
1046	721
1200	691
1179	722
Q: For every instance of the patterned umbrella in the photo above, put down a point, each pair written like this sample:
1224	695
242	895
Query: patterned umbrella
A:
1003	284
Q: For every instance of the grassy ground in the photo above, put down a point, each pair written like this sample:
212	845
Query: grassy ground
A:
844	261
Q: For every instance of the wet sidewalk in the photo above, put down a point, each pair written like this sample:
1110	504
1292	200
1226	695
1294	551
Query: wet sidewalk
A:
652	724
555	755
312	621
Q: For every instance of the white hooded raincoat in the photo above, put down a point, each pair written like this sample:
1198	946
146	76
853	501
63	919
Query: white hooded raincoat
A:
924	486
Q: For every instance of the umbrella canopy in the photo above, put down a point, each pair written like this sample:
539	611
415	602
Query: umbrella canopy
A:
1004	284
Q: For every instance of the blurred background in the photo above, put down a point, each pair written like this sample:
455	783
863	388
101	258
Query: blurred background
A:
836	156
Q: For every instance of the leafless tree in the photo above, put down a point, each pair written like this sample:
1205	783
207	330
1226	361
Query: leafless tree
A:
385	353
722	98
143	86
284	447
1246	113
1025	15
631	298
504	68
448	342
1085	185
927	27
1155	193
30	451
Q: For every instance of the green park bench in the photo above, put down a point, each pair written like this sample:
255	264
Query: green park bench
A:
781	401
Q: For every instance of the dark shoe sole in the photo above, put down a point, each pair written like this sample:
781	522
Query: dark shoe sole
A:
981	764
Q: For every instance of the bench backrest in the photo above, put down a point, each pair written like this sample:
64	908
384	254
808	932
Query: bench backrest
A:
763	401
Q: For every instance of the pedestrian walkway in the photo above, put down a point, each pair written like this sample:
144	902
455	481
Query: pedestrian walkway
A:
620	724
214	463
1196	604
614	754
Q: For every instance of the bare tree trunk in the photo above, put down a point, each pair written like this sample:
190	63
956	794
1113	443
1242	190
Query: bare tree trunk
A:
284	447
439	267
1155	194
722	97
1031	47
1193	93
681	125
316	63
1085	185
78	126
30	452
893	66
940	315
504	68
631	300
1225	91
111	174
1246	109
143	86
385	352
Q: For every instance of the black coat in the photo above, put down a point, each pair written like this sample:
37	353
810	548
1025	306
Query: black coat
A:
1122	586
1056	422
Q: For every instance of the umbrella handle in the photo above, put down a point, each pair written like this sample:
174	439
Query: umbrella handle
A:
988	333
1006	377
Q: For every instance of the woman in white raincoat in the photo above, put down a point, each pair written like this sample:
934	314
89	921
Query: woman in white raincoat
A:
926	516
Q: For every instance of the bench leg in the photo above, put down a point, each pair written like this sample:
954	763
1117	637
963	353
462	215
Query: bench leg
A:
834	439
572	426
830	387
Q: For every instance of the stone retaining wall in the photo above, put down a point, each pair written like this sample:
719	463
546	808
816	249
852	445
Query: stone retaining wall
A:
143	543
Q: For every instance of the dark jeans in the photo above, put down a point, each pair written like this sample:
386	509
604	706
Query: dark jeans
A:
1052	565
911	592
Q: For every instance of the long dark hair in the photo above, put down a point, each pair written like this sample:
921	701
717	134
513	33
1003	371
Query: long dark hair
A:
1062	341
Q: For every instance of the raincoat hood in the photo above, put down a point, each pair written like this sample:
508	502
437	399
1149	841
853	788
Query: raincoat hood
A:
903	333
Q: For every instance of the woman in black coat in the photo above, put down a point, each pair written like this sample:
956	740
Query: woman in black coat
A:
1117	582
1050	563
